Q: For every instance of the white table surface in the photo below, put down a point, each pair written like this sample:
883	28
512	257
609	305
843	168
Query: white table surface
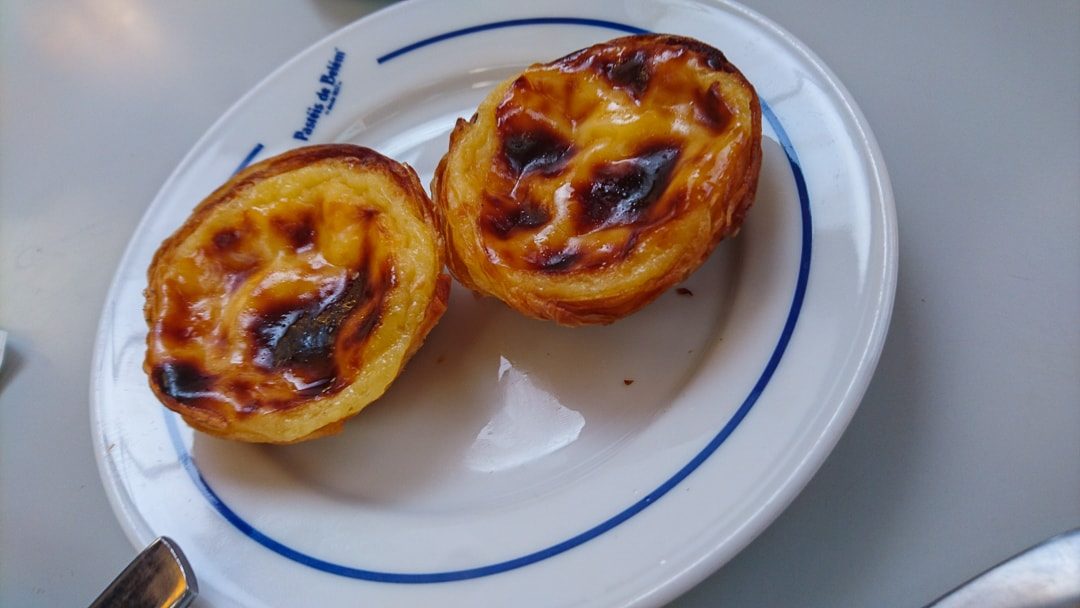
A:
965	450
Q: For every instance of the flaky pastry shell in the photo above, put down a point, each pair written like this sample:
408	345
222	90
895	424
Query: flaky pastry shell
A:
294	294
585	187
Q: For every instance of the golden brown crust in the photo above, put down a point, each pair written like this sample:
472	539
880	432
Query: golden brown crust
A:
585	187
294	294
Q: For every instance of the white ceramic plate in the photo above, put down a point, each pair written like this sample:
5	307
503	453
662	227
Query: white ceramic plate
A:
512	463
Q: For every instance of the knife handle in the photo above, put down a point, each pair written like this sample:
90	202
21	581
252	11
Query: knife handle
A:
159	577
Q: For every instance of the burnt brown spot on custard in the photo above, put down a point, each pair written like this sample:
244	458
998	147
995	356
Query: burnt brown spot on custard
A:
528	144
364	214
177	332
501	217
301	335
243	392
710	109
629	72
298	231
226	238
175	322
231	249
555	262
645	45
534	149
184	381
176	327
712	56
718	62
620	192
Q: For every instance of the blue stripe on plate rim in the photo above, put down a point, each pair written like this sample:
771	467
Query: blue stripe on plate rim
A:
247	159
480	571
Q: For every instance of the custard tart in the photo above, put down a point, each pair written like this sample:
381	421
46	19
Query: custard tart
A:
294	294
585	187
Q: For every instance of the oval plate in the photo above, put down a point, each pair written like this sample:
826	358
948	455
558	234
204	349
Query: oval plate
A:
516	462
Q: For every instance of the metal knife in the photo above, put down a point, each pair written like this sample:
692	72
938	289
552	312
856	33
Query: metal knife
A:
159	577
1045	576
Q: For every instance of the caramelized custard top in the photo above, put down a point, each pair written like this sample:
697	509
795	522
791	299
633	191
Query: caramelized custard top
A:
603	145
270	294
